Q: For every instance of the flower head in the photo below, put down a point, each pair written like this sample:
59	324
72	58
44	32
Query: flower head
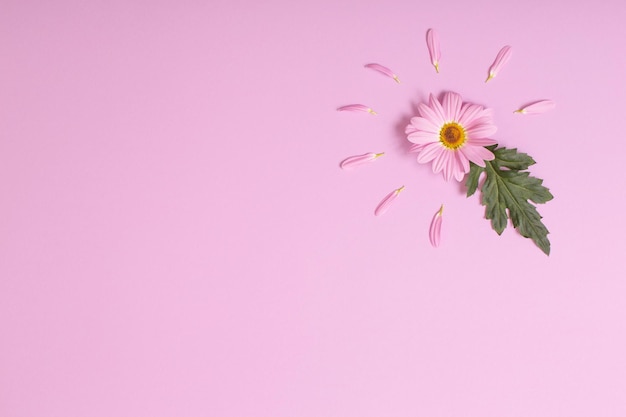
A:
451	134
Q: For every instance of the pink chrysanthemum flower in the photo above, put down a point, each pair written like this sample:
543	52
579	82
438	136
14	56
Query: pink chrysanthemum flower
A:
451	134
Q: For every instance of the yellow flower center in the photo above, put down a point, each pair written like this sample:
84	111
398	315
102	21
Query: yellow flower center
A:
452	135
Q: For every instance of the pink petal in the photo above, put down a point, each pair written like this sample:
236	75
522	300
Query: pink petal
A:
501	59
383	70
477	154
538	107
486	113
434	233
430	152
410	129
481	141
451	106
356	107
441	160
455	167
416	148
479	128
357	160
464	163
437	109
387	201
425	125
468	113
422	137
481	131
449	166
432	41
484	117
429	113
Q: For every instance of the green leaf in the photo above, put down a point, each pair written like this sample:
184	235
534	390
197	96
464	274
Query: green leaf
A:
506	187
511	159
472	178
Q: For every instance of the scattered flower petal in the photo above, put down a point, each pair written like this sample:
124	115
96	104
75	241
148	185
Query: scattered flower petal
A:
387	201
538	107
357	160
501	59
435	228
384	70
451	134
432	41
356	107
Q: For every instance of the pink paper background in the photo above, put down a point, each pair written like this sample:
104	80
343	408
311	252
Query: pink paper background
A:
176	238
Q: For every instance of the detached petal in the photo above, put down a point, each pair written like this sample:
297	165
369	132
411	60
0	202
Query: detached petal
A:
357	107
358	160
386	202
538	107
434	233
432	41
383	70
501	59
